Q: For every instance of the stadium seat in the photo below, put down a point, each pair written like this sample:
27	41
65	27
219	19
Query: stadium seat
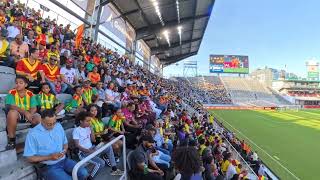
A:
64	98
7	76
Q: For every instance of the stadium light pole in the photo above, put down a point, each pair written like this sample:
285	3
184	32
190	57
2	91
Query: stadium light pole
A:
92	16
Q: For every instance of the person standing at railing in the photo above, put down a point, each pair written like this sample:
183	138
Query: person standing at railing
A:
47	144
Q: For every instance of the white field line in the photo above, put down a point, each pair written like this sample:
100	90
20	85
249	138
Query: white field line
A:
276	157
259	148
280	122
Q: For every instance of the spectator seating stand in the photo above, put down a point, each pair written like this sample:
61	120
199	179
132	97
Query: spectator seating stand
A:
12	164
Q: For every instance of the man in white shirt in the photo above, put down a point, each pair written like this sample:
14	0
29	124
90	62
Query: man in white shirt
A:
13	30
69	76
254	156
83	137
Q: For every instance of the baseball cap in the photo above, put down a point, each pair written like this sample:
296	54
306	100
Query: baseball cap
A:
147	138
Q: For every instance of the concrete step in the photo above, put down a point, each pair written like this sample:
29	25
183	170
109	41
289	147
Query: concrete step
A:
7	76
3	140
21	135
18	170
2	120
2	100
7	157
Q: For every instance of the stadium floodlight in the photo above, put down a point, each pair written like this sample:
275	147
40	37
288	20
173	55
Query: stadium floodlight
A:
166	35
178	10
157	9
179	31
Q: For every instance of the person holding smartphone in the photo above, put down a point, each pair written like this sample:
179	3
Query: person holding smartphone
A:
47	144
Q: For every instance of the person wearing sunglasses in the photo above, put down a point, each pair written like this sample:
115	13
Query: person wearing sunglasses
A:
47	144
52	74
18	49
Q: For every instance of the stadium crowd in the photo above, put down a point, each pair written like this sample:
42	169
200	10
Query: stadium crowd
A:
202	92
217	94
111	96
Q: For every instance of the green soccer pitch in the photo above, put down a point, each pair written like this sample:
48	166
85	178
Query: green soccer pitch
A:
288	142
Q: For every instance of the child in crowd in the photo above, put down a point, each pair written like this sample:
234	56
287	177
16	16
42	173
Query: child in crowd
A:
116	125
101	131
21	106
84	137
76	105
46	100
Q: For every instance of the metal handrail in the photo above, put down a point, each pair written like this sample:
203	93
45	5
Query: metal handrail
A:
239	155
97	152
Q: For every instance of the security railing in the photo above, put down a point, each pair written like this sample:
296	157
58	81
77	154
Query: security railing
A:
237	156
97	152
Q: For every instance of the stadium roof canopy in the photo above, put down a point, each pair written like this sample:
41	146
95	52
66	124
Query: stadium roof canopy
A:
157	22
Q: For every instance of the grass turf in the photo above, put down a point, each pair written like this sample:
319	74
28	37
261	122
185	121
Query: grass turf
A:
291	138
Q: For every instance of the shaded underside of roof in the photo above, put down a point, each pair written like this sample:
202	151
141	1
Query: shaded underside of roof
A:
193	17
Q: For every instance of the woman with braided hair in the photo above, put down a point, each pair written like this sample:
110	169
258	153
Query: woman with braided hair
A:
187	161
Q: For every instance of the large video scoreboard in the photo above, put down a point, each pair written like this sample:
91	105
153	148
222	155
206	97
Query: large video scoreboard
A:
229	64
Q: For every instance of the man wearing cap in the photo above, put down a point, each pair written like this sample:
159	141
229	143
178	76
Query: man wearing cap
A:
140	161
4	48
53	51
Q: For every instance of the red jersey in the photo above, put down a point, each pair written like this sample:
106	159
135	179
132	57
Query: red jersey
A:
96	60
25	66
51	72
87	58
